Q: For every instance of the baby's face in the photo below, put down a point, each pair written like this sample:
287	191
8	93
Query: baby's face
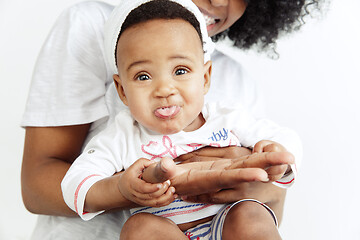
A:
162	76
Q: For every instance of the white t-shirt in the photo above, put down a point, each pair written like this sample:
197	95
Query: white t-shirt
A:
125	140
72	84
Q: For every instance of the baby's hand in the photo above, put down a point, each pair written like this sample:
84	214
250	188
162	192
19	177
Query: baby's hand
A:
143	193
275	172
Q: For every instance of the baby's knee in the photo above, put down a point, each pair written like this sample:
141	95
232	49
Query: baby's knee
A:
146	224
251	212
138	225
251	220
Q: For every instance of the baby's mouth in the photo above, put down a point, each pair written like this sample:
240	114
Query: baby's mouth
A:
167	112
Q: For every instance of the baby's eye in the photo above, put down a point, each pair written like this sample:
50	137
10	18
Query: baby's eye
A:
143	77
181	71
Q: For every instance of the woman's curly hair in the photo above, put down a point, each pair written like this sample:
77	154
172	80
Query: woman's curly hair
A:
265	20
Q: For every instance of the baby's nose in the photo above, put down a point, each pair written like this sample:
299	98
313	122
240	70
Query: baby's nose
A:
165	88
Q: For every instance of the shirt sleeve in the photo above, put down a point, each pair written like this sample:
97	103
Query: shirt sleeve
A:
101	159
70	76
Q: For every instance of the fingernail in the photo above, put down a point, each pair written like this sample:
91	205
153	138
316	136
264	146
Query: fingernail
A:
168	182
176	196
159	186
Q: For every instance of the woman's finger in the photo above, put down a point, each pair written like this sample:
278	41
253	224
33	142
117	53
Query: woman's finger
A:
198	182
263	160
213	153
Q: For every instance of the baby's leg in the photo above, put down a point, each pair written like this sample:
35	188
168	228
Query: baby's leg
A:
150	227
250	220
160	172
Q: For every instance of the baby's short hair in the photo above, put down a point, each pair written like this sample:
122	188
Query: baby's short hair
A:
131	12
160	9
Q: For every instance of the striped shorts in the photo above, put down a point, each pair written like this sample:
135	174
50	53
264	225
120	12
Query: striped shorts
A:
212	230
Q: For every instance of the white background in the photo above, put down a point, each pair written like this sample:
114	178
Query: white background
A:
314	88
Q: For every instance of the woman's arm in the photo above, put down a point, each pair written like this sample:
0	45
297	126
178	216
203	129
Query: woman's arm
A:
65	90
48	153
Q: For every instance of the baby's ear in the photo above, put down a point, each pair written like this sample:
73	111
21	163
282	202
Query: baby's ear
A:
120	89
207	76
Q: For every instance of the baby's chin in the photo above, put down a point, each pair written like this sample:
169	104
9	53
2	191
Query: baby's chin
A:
168	131
167	128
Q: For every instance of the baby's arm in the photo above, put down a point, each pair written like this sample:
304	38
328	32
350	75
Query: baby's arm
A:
89	191
90	186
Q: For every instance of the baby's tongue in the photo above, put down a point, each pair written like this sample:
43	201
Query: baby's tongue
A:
165	111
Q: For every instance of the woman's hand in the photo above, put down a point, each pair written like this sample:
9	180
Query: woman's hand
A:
212	176
224	187
213	153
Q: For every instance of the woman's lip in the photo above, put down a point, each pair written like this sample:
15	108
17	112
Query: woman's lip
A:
206	14
210	27
167	112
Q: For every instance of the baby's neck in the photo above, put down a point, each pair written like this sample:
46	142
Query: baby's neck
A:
198	122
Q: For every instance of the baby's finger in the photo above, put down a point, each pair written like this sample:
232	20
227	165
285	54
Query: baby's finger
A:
155	194
258	148
276	172
274	148
162	190
165	199
279	169
268	146
140	186
139	165
273	178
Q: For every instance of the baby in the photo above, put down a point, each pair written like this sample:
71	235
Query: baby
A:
159	51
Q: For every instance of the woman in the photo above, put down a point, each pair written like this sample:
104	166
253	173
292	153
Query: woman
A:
71	99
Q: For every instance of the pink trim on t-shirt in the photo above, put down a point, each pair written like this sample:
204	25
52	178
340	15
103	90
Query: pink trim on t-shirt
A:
78	189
